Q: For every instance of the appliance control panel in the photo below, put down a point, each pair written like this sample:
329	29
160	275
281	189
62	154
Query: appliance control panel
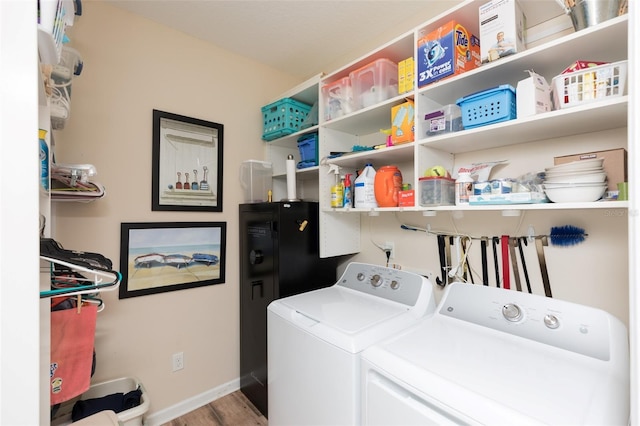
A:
392	284
577	328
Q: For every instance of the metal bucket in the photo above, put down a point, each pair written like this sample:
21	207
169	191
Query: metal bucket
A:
586	13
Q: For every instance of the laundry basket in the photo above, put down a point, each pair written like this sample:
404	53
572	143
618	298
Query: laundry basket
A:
130	417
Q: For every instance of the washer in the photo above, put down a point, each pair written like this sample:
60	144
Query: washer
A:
315	339
494	356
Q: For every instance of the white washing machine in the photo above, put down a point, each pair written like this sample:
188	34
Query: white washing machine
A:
315	339
499	357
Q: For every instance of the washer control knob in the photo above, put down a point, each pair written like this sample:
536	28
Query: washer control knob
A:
376	280
512	312
551	321
394	285
360	276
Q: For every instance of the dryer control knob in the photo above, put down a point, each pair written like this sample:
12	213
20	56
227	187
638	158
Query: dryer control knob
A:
551	321
376	280
394	285
512	312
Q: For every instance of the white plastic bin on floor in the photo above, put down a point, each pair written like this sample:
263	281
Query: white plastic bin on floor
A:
130	417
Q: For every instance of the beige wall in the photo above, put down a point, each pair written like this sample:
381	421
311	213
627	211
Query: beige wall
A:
132	66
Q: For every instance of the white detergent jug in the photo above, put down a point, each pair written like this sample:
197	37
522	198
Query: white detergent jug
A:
364	193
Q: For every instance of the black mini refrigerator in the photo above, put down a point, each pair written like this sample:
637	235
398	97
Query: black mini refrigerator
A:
279	257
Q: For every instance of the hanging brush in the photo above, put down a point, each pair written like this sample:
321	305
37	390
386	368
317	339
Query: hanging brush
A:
567	235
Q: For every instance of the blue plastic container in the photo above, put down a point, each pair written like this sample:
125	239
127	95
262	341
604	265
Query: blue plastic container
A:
308	147
488	106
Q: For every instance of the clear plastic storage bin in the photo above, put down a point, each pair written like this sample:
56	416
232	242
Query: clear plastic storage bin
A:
374	83
437	191
444	120
338	98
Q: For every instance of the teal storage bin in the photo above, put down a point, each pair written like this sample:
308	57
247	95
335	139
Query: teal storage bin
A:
283	118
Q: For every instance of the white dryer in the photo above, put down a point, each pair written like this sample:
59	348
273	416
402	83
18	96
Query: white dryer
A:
315	339
499	357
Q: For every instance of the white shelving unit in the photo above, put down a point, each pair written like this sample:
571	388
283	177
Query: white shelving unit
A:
339	230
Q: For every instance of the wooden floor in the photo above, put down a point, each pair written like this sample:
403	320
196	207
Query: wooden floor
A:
230	410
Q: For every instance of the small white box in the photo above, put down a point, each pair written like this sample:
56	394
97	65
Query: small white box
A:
533	96
502	29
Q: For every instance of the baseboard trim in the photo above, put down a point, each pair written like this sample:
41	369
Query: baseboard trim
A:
163	416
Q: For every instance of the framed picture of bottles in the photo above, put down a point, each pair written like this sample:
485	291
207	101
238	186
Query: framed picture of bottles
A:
187	163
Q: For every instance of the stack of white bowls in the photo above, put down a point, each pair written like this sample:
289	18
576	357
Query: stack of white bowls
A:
575	182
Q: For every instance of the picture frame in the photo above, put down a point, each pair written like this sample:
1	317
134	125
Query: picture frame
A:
157	257
187	163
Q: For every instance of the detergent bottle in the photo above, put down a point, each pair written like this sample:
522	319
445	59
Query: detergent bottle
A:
364	193
388	183
347	190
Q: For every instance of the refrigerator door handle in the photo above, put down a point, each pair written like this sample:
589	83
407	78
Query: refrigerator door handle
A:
255	284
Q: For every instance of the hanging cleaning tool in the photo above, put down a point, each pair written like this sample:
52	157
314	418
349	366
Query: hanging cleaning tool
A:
567	235
541	243
337	191
514	263
506	279
443	261
483	251
523	240
495	241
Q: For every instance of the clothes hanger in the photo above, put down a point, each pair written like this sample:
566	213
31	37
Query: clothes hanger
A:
96	282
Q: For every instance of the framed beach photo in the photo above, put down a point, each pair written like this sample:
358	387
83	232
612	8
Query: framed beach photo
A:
187	164
157	257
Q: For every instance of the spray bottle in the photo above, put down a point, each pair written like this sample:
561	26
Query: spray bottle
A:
337	191
347	190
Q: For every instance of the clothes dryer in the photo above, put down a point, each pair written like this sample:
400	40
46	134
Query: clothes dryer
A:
499	357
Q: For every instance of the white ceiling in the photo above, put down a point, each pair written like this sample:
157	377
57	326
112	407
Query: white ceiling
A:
303	37
299	37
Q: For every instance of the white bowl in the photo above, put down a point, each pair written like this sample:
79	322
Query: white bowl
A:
578	178
573	173
577	165
574	193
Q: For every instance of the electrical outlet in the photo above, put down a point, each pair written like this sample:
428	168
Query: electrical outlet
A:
389	245
178	361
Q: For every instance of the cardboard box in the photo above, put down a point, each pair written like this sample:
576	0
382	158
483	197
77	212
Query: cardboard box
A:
615	164
407	198
402	123
533	96
447	51
502	29
405	76
409	80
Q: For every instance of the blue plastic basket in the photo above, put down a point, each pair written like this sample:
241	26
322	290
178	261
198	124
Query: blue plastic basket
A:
308	146
488	106
283	117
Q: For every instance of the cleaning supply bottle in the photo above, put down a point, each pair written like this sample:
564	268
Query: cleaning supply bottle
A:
347	191
44	160
388	183
337	192
464	188
364	192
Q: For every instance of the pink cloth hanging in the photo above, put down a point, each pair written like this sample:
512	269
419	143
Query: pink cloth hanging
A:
72	342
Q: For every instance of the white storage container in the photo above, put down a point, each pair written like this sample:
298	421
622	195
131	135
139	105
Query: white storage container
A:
130	417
